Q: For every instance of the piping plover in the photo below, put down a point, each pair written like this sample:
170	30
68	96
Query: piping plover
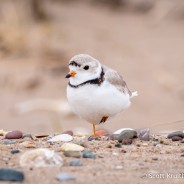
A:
96	92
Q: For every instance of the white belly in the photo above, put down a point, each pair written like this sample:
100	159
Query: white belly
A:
92	102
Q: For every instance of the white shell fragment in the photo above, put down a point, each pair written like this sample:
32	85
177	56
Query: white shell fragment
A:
62	138
41	157
71	147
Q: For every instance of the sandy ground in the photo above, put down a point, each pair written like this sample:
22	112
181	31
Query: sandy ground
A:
158	160
146	50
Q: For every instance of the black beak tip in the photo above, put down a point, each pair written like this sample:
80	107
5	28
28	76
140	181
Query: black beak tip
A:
68	76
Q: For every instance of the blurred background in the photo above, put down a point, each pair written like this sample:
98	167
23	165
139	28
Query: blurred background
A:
142	39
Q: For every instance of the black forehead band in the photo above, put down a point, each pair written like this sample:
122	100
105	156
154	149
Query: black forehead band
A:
73	63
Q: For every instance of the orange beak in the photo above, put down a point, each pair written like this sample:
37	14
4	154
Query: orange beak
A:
71	74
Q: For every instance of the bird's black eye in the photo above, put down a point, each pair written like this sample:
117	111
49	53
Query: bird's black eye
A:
86	67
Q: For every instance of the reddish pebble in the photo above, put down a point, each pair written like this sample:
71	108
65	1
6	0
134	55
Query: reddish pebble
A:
69	132
101	132
15	134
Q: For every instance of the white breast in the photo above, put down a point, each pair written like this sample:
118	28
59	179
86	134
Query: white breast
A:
92	102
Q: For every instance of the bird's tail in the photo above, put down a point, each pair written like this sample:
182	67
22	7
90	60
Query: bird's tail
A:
135	93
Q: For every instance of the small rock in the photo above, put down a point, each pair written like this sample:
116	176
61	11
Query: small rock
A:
91	138
176	138
11	175
144	144
144	134
119	167
61	137
14	151
75	154
76	162
109	146
41	157
28	144
115	153
65	177
118	145
16	134
69	132
7	142
41	136
101	132
126	141
123	151
178	133
154	158
125	134
182	155
88	154
71	147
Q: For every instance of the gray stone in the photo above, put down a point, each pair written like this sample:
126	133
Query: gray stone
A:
88	154
125	134
76	162
144	134
11	175
178	133
14	151
65	177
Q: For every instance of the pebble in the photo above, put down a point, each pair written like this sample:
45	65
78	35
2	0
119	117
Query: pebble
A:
76	162
144	134
144	144
65	177
62	138
14	151
182	155
69	132
11	175
91	138
41	157
28	144
7	142
71	147
101	132
176	138
126	141
125	134
177	133
154	158
41	136
88	154
16	134
75	154
118	145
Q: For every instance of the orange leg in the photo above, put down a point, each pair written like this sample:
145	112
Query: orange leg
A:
94	130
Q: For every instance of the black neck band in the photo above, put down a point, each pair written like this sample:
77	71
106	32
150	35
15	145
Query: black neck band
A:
97	81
